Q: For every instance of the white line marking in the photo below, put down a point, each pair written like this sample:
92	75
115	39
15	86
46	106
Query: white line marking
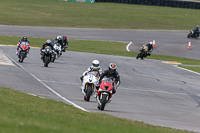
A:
186	69
127	47
75	105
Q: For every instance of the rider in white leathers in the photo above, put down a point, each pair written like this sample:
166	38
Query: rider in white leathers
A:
94	67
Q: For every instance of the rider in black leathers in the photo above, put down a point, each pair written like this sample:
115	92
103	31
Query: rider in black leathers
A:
150	48
48	43
65	41
196	31
113	74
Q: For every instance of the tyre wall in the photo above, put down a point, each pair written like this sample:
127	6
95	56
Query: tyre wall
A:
167	3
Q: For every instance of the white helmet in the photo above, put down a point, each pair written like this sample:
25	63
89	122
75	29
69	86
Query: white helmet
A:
150	42
95	63
58	37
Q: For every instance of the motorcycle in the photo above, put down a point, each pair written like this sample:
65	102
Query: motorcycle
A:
104	94
142	52
65	43
23	51
47	56
193	35
58	51
89	85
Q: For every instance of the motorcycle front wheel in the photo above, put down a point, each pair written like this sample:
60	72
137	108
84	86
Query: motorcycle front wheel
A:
103	102
88	93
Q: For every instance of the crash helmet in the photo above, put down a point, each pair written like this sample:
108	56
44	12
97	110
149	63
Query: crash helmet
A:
48	41
151	43
95	64
59	38
197	26
24	38
112	67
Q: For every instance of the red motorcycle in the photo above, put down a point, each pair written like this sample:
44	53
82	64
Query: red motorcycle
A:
104	94
23	51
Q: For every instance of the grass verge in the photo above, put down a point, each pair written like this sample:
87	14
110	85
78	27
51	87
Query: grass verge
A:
23	113
54	13
101	47
196	69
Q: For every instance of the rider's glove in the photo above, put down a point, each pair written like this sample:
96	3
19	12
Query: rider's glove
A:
97	84
81	78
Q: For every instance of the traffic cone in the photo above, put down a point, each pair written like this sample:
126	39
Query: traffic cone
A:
154	42
189	44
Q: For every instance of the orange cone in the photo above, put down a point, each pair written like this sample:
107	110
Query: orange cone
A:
189	44
154	42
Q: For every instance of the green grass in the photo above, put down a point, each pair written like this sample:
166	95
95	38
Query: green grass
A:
23	113
101	47
97	15
193	68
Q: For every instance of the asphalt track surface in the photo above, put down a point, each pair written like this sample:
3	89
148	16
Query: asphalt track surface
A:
151	91
172	43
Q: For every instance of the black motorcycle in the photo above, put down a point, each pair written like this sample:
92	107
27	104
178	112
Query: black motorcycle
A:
47	55
65	43
193	34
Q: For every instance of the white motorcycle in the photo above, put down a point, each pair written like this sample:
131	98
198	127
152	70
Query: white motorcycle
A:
89	85
57	48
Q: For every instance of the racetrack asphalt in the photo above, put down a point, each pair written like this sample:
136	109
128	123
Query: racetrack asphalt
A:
172	43
151	91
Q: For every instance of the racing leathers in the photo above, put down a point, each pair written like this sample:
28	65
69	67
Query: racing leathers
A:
43	47
65	41
114	76
90	69
150	49
19	43
196	31
59	41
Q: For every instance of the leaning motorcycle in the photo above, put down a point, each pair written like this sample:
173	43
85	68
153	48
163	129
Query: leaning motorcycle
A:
23	51
142	52
57	48
47	56
104	94
89	85
193	35
65	43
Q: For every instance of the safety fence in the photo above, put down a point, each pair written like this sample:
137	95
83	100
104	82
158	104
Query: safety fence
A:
167	3
91	1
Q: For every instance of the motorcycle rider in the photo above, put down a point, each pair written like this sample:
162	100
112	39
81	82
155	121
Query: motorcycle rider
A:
150	48
196	31
58	39
110	73
24	39
65	41
48	43
94	67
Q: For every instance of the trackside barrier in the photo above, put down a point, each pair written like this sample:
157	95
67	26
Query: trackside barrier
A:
90	1
167	3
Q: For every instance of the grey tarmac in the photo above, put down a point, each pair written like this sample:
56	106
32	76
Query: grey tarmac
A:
151	91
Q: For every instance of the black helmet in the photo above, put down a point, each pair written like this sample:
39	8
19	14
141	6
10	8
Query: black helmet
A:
25	38
112	67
